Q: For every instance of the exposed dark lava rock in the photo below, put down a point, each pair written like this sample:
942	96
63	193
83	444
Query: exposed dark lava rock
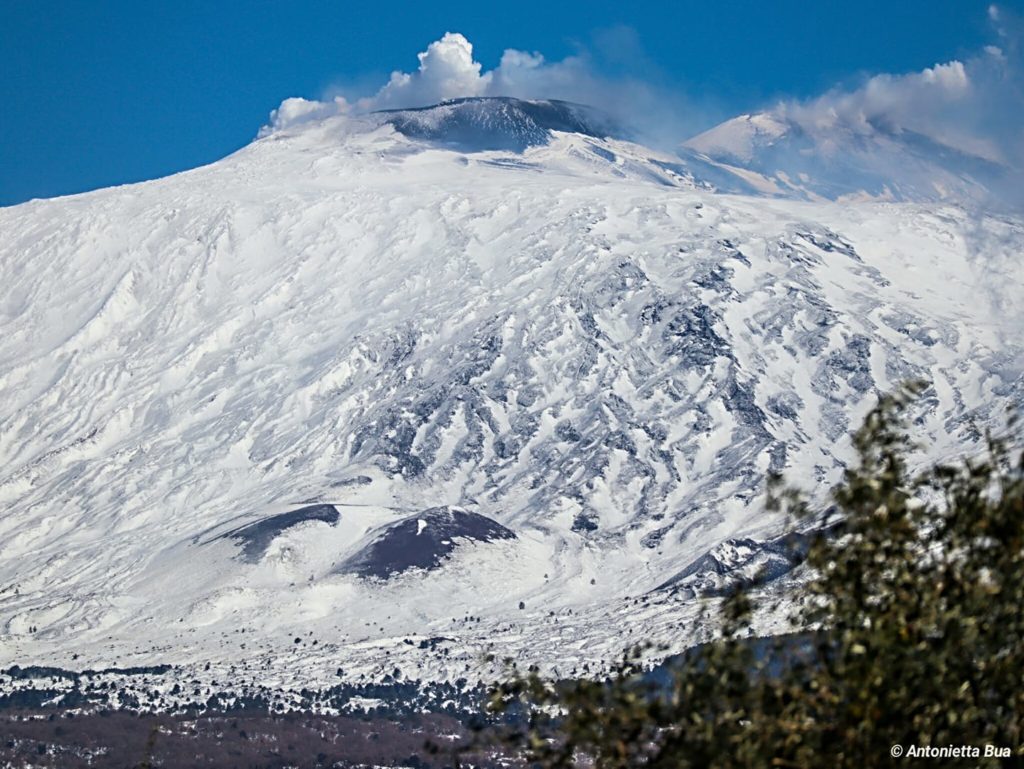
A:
497	123
583	523
256	537
421	541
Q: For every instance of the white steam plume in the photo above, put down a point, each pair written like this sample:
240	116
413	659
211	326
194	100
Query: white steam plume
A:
975	105
447	70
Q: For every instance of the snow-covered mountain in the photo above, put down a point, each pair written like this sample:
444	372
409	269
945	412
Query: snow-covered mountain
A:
363	399
773	153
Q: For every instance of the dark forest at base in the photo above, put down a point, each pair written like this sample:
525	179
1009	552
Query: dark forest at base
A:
47	738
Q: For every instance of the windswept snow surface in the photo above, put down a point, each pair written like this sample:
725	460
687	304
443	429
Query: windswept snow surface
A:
771	153
578	343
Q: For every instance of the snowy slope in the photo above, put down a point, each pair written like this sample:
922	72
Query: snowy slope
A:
770	152
235	401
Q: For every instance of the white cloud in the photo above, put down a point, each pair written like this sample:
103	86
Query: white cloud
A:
976	105
892	100
447	70
296	110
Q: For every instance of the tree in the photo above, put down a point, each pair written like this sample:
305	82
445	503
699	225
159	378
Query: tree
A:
910	633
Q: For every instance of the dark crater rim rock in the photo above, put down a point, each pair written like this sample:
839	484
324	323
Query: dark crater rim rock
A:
483	123
421	541
257	536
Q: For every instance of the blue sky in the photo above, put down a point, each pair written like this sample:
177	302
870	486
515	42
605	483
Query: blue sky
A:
96	94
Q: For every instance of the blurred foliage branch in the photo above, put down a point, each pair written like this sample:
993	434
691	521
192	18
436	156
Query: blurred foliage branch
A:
911	613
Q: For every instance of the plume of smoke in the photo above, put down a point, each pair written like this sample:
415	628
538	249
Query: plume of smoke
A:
296	111
448	70
953	131
975	105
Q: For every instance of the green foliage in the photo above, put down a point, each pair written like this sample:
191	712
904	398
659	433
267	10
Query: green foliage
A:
913	635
